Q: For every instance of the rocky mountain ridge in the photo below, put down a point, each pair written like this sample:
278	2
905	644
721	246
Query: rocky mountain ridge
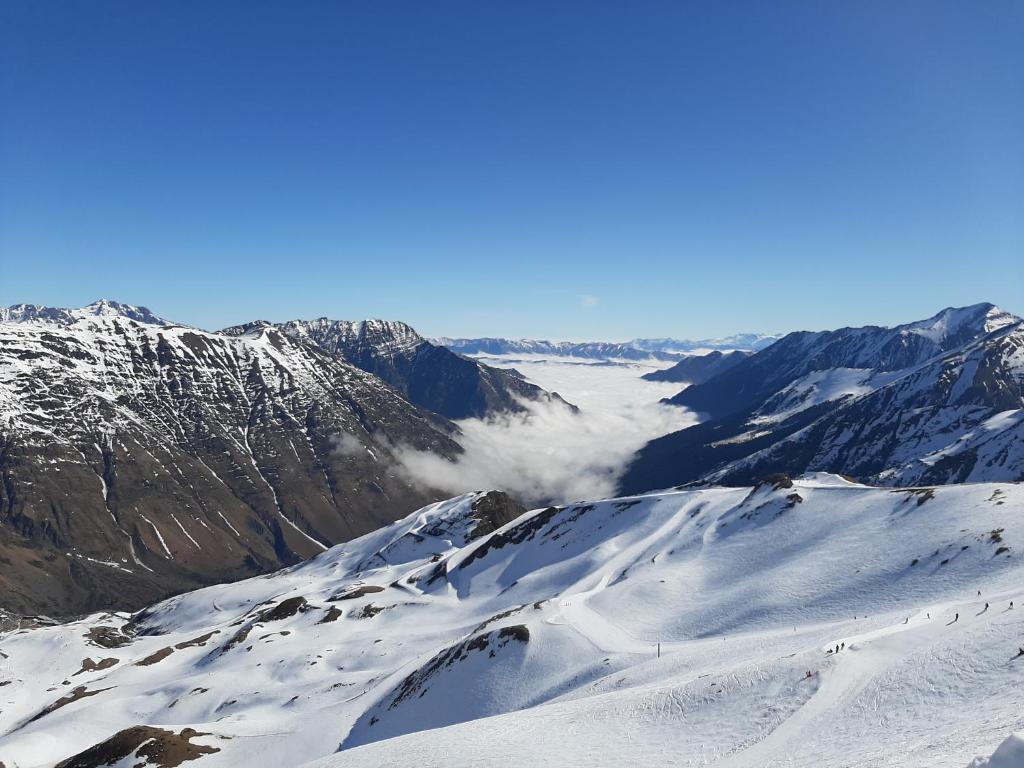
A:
141	458
935	401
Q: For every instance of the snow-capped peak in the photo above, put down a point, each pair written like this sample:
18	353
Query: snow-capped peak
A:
42	315
952	322
108	308
385	336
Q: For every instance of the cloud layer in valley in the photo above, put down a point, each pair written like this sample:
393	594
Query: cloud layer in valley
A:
548	453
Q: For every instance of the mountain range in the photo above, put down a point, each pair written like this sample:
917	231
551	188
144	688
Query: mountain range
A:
140	457
934	401
829	577
637	349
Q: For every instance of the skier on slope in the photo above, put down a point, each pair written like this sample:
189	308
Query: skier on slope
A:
956	618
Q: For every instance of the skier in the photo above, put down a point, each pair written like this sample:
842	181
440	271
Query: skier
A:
1020	652
1011	605
956	618
844	645
985	608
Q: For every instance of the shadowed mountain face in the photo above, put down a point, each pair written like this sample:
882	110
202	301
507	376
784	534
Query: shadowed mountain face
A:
431	376
869	348
139	458
937	401
697	369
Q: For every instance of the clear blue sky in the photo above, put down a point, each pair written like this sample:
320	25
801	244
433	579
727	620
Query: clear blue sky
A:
557	169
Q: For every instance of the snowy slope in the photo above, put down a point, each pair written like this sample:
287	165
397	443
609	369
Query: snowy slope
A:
439	640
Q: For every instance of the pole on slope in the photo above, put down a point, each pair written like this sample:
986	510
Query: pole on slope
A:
659	650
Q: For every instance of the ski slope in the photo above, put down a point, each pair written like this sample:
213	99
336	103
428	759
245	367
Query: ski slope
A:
689	627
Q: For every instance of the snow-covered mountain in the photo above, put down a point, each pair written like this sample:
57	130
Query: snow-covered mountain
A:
935	401
738	341
429	375
808	623
637	349
140	458
36	314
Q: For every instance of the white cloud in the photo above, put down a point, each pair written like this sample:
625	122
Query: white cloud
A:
548	453
587	301
347	445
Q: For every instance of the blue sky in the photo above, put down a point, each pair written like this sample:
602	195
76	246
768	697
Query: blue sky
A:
564	170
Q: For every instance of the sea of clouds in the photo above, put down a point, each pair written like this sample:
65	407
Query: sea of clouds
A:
548	453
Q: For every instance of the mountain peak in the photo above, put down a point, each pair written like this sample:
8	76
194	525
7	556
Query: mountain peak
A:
954	322
110	308
36	313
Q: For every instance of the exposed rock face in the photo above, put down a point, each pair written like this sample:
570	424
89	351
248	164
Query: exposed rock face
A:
139	458
430	376
938	401
493	510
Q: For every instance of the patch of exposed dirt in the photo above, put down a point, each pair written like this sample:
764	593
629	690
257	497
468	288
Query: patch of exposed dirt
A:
370	610
157	747
284	609
107	637
201	640
354	592
81	692
154	657
88	665
333	614
238	638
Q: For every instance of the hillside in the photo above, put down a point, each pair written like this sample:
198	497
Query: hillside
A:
141	458
700	624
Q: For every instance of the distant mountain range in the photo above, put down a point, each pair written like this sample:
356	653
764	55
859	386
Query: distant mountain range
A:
140	457
934	401
637	349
